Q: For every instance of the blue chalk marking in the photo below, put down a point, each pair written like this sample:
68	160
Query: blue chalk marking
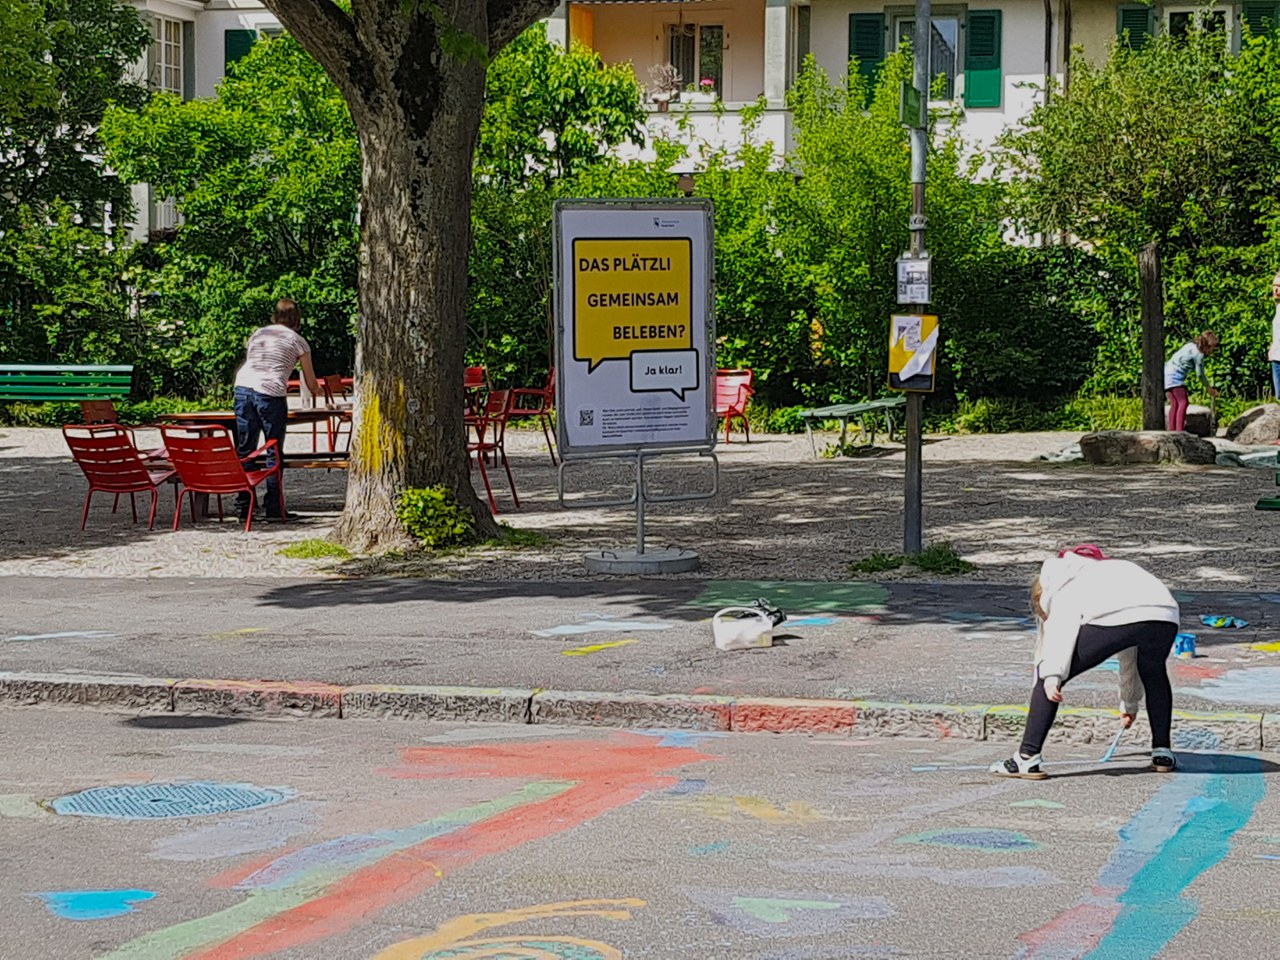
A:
679	738
1111	666
686	788
93	904
1181	832
720	846
812	622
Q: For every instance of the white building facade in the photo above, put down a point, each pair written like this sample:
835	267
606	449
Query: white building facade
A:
994	56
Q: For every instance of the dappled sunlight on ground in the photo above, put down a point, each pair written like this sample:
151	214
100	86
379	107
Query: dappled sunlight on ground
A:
781	513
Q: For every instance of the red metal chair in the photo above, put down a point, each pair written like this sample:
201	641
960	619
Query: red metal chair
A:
206	461
491	428
542	400
473	384
335	393
111	463
733	391
98	411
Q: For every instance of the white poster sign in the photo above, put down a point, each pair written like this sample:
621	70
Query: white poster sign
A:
635	329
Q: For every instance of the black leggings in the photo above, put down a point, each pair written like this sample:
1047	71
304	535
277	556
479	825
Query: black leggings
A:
1154	640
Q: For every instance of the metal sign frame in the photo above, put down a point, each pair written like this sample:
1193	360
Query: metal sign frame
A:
563	292
637	561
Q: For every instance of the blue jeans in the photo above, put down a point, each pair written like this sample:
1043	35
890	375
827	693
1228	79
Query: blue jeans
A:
258	413
1275	379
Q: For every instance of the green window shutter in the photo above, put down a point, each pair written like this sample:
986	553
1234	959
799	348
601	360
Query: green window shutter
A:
1260	18
236	44
866	42
983	79
188	60
1138	21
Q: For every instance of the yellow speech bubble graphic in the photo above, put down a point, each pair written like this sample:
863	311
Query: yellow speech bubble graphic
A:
631	295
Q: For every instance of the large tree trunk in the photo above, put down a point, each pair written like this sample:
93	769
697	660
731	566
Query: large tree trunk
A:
413	76
1152	300
415	235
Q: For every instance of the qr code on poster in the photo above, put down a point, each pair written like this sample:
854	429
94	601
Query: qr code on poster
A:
586	418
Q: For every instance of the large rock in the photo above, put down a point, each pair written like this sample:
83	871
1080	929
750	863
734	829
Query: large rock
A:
1120	447
1258	425
1200	421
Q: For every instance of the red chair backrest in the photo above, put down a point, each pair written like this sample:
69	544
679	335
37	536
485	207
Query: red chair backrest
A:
98	411
108	458
205	458
733	388
333	387
497	409
473	378
551	385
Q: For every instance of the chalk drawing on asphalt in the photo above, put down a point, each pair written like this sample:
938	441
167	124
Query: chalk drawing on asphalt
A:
458	938
92	904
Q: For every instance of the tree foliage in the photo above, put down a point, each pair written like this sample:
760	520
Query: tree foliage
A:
266	176
64	62
551	113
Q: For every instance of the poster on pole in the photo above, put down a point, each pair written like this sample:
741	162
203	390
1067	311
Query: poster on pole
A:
635	325
913	351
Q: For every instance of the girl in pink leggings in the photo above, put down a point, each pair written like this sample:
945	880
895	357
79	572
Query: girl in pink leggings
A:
1189	358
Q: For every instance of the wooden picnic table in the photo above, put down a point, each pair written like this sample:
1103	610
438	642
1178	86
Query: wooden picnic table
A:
844	412
328	460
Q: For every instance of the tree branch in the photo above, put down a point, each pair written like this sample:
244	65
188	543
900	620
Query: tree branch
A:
326	32
509	18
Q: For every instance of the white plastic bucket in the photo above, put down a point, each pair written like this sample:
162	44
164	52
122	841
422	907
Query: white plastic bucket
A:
741	628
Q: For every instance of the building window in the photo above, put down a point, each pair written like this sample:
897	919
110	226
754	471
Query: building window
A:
167	75
696	50
1180	21
944	48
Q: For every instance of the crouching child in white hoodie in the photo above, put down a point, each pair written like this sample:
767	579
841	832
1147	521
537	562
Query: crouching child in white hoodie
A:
1091	608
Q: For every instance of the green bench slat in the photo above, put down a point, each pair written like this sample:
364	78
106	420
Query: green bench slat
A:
63	368
38	383
25	390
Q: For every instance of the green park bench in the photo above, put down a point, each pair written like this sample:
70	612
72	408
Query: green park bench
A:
844	412
1271	503
35	383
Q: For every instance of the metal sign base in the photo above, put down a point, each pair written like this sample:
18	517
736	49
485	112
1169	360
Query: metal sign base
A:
669	560
640	560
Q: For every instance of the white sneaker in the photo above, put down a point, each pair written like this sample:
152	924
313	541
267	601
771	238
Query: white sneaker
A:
1162	761
1019	767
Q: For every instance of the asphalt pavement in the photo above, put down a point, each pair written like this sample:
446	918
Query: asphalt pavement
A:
900	642
150	837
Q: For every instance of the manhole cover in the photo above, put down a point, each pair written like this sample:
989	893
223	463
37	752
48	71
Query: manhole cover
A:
155	801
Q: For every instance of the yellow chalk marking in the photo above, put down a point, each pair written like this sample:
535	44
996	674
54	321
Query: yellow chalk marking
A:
1267	647
595	648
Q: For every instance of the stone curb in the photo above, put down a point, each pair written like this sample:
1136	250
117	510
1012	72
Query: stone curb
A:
851	718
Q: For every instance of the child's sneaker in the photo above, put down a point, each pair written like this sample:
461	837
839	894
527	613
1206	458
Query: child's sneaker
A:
1023	768
1162	761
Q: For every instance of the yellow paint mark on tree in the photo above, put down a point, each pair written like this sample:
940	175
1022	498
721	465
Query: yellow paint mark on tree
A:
596	648
380	438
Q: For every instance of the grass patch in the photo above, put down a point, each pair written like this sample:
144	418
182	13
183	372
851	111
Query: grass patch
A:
514	538
315	549
940	558
877	563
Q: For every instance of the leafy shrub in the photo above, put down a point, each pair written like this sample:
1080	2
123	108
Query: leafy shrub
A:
432	517
941	558
130	412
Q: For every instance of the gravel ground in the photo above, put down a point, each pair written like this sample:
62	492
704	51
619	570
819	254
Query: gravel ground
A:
780	513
